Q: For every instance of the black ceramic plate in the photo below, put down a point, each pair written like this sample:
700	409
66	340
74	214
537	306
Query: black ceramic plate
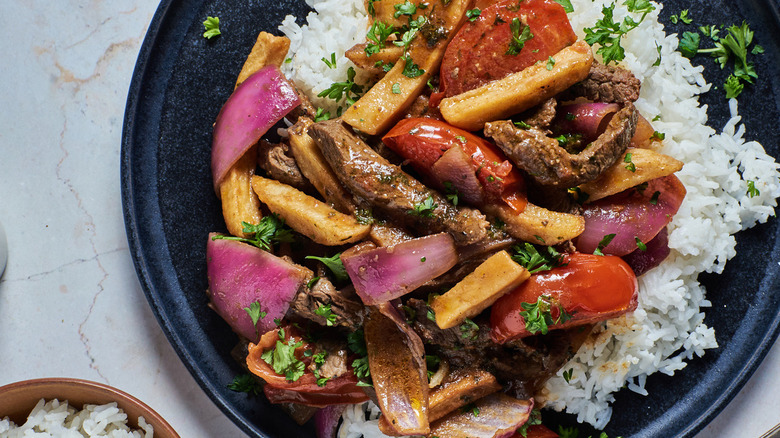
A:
181	81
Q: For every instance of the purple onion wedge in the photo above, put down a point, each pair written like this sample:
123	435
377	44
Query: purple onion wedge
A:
493	416
386	273
240	275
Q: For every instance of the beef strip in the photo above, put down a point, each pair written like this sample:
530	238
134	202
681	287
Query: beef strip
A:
606	83
550	164
523	366
277	161
391	190
542	115
344	304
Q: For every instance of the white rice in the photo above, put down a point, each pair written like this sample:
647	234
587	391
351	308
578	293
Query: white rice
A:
668	328
55	419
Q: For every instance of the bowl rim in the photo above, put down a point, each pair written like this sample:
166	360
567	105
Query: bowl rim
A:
123	399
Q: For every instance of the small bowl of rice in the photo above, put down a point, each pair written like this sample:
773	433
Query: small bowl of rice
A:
66	407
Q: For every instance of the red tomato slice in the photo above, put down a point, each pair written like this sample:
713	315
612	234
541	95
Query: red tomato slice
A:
477	53
423	141
305	390
589	287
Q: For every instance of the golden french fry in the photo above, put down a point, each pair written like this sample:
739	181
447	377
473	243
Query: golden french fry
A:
538	225
307	215
239	203
519	91
268	49
492	279
388	55
641	166
314	167
386	101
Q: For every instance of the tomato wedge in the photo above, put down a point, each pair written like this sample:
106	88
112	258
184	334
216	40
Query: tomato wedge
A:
423	141
589	288
304	390
478	52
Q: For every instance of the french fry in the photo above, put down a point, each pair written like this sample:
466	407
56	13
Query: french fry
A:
314	167
268	49
309	216
642	166
239	203
386	101
388	55
538	225
460	388
479	290
519	91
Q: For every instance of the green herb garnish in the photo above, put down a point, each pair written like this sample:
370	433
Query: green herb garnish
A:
334	264
603	244
212	27
520	34
325	312
607	34
539	317
425	208
529	257
245	383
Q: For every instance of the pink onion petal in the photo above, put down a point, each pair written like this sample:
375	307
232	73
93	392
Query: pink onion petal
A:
631	215
656	252
498	416
584	118
240	274
457	168
254	107
326	420
386	273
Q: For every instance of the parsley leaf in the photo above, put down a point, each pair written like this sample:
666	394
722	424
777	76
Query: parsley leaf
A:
255	313
283	360
245	383
684	17
334	264
321	115
603	244
630	166
520	34
752	191
378	34
347	89
689	44
539	317
607	33
567	374
212	27
411	70
330	63
325	312
733	87
533	420
641	245
425	208
473	14
550	63
566	5
407	8
269	230
469	329
529	257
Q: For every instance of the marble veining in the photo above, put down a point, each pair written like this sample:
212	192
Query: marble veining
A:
70	303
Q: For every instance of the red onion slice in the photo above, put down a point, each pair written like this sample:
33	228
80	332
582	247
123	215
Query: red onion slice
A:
588	119
656	251
631	215
326	420
386	273
455	167
254	107
241	274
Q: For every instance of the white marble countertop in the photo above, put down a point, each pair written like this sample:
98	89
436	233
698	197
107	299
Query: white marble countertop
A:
70	302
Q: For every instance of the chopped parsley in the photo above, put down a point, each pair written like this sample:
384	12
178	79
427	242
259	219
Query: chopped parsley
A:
325	312
312	282
245	383
473	14
567	374
657	136
212	27
654	198
334	264
330	63
469	329
425	208
269	230
283	360
378	34
396	88
533	420
431	361
682	17
452	193
407	8
321	115
522	125
752	191
603	244
347	89
255	312
639	244
356	342
520	34
539	317
529	257
733	87
607	34
411	70
630	166
566	5
550	63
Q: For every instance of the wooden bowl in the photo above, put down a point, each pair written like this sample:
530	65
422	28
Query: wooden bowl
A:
18	399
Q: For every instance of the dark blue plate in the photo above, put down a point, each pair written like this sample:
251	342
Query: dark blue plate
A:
180	82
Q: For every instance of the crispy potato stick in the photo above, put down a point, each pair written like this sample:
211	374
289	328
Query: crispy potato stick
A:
538	225
388	55
479	290
239	203
519	91
386	101
309	216
268	49
460	388
641	166
314	167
